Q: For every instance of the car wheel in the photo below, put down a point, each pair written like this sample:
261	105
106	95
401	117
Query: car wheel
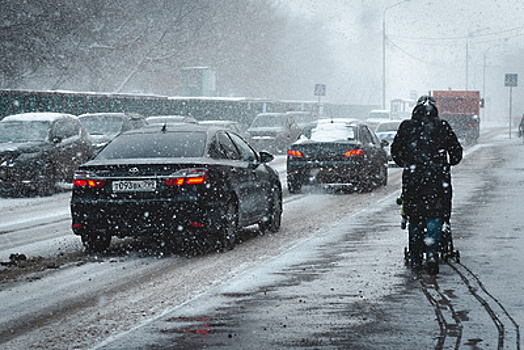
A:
45	187
195	244
44	184
383	175
96	243
273	221
228	227
294	186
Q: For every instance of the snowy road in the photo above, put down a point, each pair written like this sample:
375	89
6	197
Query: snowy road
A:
344	251
347	287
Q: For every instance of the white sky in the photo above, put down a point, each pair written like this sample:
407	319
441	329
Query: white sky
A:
427	44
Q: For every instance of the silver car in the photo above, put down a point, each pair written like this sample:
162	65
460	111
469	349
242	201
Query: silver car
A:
273	132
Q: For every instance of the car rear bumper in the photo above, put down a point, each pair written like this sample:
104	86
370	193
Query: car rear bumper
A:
138	218
326	173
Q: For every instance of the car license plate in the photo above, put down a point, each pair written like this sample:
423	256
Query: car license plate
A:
134	186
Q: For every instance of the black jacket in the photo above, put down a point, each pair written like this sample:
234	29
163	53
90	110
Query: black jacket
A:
426	146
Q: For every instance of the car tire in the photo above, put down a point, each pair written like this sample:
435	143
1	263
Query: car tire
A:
228	227
46	187
383	175
376	179
45	184
96	242
273	221
294	186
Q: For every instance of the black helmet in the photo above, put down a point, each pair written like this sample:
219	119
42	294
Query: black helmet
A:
426	106
425	100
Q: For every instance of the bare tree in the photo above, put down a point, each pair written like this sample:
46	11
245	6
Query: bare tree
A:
141	46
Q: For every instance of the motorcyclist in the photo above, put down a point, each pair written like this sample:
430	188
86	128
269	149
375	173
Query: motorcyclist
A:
425	146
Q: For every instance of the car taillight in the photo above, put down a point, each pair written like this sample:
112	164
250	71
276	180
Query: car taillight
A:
355	153
473	124
294	153
187	177
89	183
87	179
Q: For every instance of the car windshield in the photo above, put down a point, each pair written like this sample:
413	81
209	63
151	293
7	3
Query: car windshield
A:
102	125
390	126
333	132
269	120
303	118
159	145
23	131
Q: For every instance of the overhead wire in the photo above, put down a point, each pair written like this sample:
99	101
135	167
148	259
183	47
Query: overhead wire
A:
461	37
455	41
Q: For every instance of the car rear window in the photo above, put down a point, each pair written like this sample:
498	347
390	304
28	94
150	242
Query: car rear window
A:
158	145
333	132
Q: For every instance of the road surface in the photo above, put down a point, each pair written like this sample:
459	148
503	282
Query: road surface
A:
332	278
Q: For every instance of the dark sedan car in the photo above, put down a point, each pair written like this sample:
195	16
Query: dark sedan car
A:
187	184
339	152
37	150
273	132
103	127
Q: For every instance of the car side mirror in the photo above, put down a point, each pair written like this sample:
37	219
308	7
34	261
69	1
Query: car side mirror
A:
266	157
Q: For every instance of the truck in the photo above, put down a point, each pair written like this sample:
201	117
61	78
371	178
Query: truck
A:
462	111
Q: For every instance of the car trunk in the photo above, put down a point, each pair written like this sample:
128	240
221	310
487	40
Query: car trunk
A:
325	151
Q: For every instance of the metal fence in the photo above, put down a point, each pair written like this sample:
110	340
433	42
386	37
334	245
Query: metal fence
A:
242	110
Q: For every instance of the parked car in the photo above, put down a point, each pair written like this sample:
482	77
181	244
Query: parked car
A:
339	152
230	125
306	121
273	132
37	150
103	127
188	184
387	130
163	119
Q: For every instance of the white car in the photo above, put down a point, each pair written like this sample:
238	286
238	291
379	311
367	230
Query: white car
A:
387	130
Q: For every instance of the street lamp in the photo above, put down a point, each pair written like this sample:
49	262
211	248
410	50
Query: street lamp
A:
484	79
384	51
484	64
471	35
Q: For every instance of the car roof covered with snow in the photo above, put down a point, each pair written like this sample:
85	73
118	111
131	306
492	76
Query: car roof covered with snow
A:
38	116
